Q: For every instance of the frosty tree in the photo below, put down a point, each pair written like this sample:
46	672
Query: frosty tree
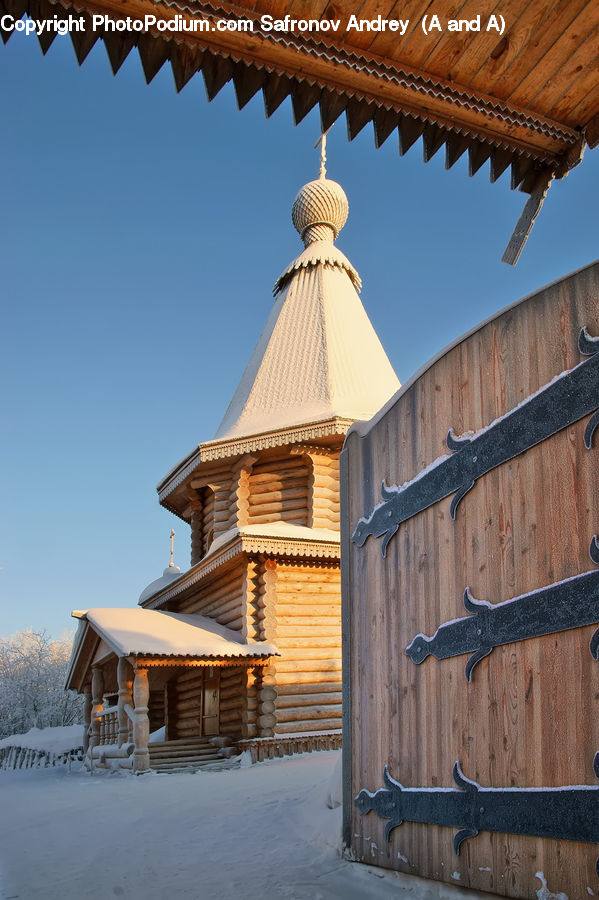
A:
32	674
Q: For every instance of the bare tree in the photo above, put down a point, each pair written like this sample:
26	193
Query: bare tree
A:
32	674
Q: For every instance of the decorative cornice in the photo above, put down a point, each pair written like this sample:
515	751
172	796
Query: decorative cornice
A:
272	546
187	662
214	450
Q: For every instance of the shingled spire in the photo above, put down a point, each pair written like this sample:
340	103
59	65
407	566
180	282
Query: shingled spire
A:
318	357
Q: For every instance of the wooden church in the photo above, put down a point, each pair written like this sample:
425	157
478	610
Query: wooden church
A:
243	650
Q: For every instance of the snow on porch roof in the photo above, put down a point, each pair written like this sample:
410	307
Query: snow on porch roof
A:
151	632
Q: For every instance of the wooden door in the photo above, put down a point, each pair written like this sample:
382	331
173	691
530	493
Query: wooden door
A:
210	706
519	712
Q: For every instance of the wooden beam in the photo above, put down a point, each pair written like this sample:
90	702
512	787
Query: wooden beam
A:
526	221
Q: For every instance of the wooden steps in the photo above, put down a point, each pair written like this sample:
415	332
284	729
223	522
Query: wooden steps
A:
189	753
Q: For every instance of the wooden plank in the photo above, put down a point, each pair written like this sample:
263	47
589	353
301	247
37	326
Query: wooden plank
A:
332	105
217	72
529	39
358	114
571	39
304	98
247	81
153	52
276	89
118	46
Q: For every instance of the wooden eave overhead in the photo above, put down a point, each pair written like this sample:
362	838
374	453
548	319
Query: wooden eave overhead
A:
528	99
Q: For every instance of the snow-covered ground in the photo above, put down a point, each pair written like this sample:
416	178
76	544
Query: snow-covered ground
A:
241	834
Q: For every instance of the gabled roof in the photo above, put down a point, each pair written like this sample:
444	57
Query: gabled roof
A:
310	362
153	633
150	632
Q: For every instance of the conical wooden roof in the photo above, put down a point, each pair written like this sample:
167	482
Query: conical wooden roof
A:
318	357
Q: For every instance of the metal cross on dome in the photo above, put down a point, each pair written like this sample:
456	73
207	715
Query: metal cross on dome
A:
172	546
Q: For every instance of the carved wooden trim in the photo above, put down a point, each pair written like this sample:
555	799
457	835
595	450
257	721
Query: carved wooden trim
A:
225	449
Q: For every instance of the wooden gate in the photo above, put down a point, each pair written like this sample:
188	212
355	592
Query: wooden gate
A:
519	395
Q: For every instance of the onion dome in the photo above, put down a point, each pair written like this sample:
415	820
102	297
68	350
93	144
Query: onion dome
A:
320	211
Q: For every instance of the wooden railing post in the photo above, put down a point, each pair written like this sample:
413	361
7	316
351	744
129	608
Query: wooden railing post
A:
97	704
125	679
87	716
141	725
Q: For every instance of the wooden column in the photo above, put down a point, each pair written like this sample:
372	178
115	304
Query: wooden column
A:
97	704
87	716
125	679
141	725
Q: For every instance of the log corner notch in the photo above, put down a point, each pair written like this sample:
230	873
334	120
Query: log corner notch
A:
477	105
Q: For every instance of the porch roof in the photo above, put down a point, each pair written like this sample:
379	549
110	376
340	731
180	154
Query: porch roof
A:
149	632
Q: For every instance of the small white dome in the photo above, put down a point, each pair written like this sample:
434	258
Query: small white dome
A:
320	206
170	574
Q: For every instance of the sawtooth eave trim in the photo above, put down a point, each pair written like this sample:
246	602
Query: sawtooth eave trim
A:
338	79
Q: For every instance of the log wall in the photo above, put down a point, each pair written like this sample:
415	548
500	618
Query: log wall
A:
185	694
529	718
308	635
323	497
278	491
232	690
221	599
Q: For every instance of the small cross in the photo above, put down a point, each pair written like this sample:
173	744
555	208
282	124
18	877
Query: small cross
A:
172	544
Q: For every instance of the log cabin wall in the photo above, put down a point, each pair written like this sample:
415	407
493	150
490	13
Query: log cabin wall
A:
529	718
184	693
222	599
210	510
157	709
278	491
308	635
233	682
202	523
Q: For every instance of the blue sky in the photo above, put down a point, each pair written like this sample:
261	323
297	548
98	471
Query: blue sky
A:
142	232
